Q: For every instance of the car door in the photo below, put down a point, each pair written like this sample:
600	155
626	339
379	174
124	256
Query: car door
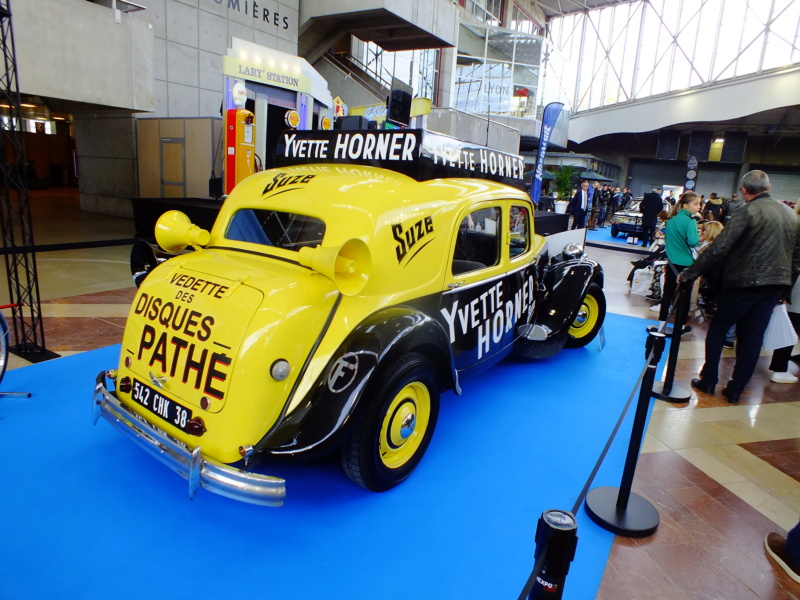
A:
488	286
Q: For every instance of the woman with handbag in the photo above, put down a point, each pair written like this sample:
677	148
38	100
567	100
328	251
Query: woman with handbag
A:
780	357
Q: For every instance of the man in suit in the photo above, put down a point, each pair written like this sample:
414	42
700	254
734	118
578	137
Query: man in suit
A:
580	204
650	207
594	204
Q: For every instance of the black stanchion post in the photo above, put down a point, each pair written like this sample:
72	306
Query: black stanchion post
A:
664	390
556	540
620	510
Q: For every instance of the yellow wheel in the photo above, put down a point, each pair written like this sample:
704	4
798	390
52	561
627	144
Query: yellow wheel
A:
404	425
589	319
390	442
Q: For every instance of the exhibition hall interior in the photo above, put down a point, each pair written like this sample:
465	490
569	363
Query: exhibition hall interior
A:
192	97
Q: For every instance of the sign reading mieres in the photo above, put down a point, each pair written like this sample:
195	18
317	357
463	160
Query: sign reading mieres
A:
254	9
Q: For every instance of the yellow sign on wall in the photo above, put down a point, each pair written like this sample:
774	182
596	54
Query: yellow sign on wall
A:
377	112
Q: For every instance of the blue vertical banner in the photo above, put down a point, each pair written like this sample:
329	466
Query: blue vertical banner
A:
549	118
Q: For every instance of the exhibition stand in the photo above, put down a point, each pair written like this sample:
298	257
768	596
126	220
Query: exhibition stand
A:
86	514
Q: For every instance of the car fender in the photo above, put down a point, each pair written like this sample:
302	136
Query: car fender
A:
566	283
341	395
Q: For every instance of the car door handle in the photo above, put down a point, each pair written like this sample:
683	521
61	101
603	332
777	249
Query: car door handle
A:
455	284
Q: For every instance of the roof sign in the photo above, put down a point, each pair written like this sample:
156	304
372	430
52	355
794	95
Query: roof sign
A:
417	153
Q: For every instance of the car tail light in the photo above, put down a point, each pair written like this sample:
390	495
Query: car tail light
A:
195	426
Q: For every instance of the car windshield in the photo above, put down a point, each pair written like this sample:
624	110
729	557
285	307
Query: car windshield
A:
285	230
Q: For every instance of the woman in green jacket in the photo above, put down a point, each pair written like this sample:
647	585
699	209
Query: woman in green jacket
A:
681	237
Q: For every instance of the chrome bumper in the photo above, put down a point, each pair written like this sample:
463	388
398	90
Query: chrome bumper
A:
200	472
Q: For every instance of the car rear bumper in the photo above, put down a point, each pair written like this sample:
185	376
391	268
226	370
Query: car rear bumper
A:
200	472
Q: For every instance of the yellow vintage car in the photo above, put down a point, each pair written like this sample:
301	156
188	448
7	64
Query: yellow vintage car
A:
332	303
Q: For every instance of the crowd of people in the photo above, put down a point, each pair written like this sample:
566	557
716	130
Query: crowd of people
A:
746	254
744	250
592	206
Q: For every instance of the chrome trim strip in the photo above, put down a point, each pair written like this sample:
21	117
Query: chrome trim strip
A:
473	284
216	477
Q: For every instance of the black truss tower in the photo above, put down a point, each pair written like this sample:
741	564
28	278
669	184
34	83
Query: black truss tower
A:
15	210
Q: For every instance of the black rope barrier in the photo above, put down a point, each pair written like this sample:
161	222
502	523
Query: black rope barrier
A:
631	514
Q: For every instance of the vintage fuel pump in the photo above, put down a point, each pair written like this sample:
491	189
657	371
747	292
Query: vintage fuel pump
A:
240	142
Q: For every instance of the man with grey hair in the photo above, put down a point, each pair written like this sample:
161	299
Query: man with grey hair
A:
758	255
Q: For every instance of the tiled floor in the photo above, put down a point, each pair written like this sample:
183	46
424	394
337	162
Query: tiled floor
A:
721	476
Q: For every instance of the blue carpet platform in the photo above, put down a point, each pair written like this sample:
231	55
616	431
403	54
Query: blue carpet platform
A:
601	237
84	514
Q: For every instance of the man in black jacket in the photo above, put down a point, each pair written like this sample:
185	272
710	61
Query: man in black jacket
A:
758	253
729	207
650	207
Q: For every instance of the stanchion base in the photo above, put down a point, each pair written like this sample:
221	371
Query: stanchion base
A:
677	394
639	519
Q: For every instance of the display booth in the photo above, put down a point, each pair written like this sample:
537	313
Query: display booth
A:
88	519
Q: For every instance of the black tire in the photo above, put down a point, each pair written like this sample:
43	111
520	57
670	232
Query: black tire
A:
614	231
377	456
589	319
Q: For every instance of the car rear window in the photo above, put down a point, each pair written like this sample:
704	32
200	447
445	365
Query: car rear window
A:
285	230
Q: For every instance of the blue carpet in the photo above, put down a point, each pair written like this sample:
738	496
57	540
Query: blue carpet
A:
603	235
85	514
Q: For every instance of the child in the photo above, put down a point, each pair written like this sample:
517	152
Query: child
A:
709	283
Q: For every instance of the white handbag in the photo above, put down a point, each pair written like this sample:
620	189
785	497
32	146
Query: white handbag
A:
642	278
780	331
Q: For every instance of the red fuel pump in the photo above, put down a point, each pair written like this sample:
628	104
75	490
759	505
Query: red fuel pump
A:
241	147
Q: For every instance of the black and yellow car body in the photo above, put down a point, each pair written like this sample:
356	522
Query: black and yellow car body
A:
328	308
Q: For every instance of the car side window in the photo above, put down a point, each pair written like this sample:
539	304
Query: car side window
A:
519	230
478	241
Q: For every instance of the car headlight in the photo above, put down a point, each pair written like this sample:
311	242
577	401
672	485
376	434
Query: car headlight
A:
572	250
